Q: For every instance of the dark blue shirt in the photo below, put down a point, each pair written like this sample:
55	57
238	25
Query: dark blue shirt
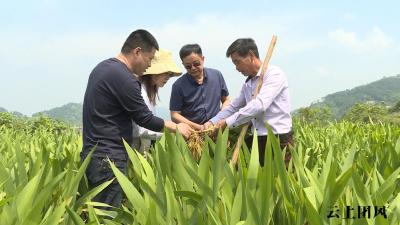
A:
198	102
112	100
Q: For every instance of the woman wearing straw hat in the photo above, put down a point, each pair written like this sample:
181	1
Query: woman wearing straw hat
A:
156	76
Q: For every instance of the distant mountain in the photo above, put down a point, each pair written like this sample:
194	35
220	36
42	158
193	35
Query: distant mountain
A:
385	91
15	113
70	113
18	114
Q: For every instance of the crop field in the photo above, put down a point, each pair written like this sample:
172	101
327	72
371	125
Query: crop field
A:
340	173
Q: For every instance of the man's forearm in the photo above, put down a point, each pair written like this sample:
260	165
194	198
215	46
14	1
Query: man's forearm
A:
183	128
178	118
171	126
225	103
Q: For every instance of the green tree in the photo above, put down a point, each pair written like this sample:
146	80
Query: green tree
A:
6	119
30	125
366	112
395	108
321	114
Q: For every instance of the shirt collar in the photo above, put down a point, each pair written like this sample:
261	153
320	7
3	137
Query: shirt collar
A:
193	81
255	77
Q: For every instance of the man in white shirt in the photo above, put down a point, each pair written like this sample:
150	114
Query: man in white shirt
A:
271	105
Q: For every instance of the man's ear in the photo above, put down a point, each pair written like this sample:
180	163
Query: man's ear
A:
252	55
136	51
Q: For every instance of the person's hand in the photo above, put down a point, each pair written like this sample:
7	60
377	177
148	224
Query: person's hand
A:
207	125
184	129
219	125
197	127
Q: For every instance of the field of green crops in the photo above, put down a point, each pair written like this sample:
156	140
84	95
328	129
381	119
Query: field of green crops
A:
340	173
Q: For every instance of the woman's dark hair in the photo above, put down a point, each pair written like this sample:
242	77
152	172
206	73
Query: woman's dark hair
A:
151	87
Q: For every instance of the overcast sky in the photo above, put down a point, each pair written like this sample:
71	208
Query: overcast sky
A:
48	48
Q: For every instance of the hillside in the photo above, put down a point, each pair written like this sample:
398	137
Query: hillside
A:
15	113
70	113
385	90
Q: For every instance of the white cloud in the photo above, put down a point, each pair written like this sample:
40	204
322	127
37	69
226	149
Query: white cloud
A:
378	38
322	71
61	63
216	32
374	40
291	47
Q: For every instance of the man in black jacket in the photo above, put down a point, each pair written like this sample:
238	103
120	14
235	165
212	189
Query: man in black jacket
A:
112	101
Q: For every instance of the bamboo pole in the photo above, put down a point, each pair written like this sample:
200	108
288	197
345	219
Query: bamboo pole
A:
259	84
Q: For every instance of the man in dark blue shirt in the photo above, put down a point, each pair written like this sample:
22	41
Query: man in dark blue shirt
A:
196	96
112	101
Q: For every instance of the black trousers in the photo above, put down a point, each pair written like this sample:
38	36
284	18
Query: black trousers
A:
98	172
286	140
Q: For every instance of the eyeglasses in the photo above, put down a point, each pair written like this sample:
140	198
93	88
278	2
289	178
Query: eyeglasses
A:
189	66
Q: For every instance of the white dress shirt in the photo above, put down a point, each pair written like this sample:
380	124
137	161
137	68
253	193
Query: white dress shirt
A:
141	132
272	104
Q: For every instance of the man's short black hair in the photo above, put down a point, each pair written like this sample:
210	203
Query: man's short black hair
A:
189	49
140	38
242	46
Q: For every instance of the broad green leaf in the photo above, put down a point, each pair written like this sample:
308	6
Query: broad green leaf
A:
56	215
314	218
219	161
252	171
25	198
92	193
75	217
130	191
237	205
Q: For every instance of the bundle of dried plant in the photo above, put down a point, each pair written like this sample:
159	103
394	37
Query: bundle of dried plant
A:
196	142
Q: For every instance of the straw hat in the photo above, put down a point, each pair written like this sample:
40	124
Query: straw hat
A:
163	63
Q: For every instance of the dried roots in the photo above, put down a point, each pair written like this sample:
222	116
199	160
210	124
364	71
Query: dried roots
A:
196	142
